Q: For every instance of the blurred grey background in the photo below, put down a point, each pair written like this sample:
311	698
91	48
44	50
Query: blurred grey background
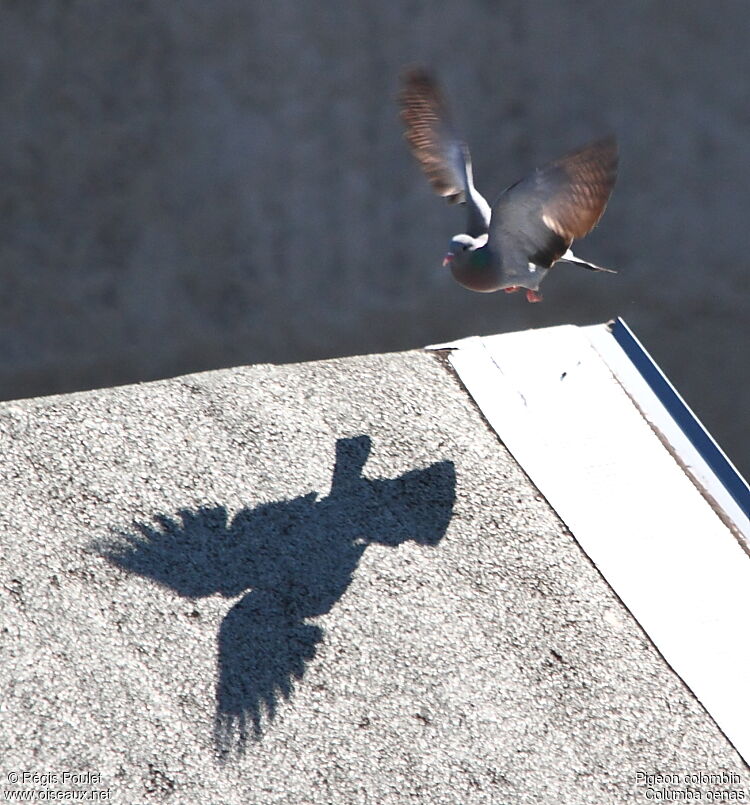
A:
189	185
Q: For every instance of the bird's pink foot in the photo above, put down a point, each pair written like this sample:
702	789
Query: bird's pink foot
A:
512	289
533	296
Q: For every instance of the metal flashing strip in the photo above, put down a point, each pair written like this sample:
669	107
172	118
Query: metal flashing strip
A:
663	407
560	400
702	440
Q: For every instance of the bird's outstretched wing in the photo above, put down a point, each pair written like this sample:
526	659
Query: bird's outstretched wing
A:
430	133
560	201
442	154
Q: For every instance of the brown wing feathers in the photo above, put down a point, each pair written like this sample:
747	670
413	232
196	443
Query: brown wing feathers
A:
428	132
588	176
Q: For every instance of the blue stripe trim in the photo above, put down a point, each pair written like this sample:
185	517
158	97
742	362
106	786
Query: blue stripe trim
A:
690	425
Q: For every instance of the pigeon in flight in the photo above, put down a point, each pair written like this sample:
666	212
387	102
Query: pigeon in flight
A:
532	224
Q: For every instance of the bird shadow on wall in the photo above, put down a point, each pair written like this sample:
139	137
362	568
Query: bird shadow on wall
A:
291	561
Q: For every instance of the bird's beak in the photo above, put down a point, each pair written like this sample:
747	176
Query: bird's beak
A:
448	258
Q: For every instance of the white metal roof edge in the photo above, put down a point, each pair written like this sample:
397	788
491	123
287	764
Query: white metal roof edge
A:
610	459
660	413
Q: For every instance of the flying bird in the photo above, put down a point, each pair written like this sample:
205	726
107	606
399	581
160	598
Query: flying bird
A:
532	224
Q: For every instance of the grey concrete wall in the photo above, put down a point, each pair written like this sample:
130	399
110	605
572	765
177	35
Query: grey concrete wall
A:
191	185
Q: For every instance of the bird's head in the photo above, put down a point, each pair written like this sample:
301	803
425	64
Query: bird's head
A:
460	251
469	263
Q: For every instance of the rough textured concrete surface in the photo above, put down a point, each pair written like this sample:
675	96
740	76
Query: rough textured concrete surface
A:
191	185
316	583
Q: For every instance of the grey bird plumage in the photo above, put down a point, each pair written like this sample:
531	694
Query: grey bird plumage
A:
513	243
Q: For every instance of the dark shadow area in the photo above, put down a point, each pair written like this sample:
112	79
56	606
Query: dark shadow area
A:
290	561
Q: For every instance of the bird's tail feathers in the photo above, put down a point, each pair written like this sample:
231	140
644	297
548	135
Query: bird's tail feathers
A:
569	257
